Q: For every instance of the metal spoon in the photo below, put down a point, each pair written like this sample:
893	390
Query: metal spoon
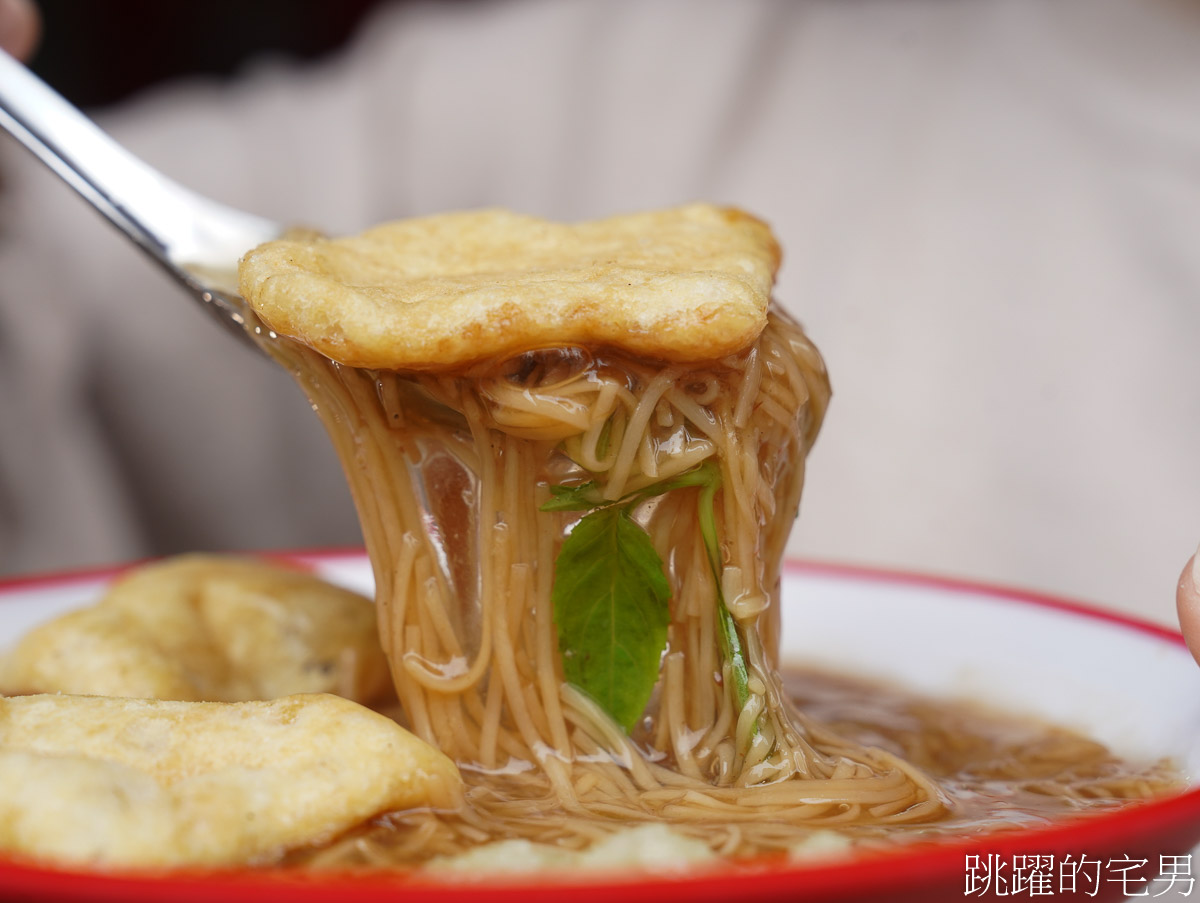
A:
192	237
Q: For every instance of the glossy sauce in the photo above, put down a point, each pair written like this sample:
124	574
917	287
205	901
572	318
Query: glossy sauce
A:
997	772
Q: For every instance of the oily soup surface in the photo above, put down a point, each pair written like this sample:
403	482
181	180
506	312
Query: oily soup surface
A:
999	771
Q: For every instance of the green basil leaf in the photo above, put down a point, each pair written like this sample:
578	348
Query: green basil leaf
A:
604	439
706	475
707	514
610	600
582	497
731	648
731	640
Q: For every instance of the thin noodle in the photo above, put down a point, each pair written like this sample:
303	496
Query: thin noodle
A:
464	571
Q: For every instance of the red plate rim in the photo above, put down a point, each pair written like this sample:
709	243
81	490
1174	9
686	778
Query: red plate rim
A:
864	871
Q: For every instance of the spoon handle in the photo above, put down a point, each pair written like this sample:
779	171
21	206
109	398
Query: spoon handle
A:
174	225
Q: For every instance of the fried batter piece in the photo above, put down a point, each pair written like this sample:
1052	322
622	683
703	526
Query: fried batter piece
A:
130	782
440	292
203	627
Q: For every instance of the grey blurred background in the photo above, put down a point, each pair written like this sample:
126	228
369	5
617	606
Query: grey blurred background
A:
989	214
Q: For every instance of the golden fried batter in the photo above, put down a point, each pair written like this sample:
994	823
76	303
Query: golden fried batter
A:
203	627
130	782
690	283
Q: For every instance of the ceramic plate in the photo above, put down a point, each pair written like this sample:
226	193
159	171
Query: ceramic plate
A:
1127	683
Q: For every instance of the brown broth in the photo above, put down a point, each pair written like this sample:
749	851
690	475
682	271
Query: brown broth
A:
997	769
997	772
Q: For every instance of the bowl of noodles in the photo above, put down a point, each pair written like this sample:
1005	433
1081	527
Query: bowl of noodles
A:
576	452
1028	710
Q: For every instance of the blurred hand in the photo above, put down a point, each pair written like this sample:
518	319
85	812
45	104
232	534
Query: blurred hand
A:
1187	598
20	27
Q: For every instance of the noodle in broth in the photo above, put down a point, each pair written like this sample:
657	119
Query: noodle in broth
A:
449	473
577	452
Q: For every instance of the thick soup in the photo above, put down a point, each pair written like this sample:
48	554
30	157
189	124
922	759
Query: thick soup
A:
997	772
577	453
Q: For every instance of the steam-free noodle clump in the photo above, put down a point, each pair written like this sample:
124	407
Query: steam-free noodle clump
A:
526	409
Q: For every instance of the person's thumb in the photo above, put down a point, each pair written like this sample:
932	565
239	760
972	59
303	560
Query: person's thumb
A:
20	27
1187	599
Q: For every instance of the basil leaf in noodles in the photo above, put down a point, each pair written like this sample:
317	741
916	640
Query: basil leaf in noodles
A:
708	478
731	648
610	607
593	576
581	497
